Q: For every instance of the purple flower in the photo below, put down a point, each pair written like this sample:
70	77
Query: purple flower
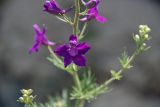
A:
52	7
93	13
90	3
40	39
74	52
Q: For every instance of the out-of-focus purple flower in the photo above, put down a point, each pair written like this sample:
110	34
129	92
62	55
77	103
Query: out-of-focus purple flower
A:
93	12
40	39
52	7
90	3
74	52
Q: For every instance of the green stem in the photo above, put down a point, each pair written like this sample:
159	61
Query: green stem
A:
76	79
122	69
80	103
76	18
108	82
81	35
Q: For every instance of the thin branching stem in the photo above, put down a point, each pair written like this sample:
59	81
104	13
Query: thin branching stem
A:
108	82
81	35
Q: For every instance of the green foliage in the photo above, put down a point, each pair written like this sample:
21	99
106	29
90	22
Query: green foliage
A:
65	19
125	61
60	64
116	75
89	88
58	101
56	61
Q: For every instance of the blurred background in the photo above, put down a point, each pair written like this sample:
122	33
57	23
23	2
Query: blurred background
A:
139	88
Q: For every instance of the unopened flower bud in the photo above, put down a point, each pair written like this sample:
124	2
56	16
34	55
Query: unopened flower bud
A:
21	99
23	91
137	37
144	29
30	91
27	92
147	29
141	26
141	32
144	44
146	36
31	97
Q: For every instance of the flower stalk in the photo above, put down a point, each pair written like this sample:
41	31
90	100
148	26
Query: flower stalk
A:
79	103
76	18
108	82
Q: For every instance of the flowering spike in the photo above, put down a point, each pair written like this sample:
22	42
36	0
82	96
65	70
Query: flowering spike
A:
40	39
52	7
74	52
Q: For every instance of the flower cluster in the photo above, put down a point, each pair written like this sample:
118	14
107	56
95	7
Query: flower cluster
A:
27	97
74	52
141	38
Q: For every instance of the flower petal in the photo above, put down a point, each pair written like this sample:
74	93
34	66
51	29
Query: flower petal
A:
91	14
79	60
40	39
73	39
90	3
67	61
52	7
62	50
85	19
34	48
49	43
83	48
37	29
101	19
